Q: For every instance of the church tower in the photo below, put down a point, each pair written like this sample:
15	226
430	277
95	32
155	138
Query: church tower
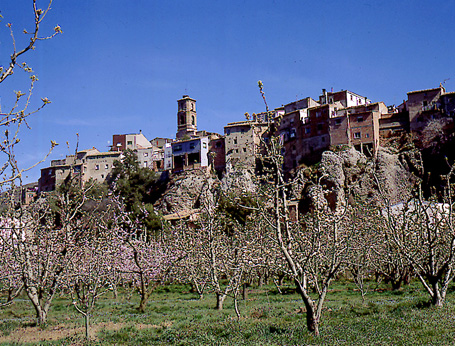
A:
186	117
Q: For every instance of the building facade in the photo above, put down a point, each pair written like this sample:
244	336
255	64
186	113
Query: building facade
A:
243	143
190	154
84	166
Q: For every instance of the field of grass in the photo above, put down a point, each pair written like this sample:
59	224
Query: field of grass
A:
175	316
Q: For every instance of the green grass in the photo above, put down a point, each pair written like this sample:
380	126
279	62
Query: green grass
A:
176	317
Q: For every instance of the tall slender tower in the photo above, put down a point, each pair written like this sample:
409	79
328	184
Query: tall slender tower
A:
186	117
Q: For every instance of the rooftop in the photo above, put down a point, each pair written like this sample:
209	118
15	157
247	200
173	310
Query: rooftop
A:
426	90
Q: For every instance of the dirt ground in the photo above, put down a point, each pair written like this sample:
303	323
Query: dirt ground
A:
36	334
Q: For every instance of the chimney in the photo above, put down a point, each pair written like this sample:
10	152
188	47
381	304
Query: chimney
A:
324	93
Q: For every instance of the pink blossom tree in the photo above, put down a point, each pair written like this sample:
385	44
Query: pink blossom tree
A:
92	273
142	260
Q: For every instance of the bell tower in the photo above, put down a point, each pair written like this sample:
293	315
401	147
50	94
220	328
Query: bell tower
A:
186	117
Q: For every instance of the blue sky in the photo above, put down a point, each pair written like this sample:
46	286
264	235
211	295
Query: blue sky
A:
120	66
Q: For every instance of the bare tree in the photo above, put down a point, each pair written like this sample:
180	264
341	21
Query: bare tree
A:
16	117
314	251
422	232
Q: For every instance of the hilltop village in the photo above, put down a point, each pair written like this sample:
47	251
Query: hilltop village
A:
306	128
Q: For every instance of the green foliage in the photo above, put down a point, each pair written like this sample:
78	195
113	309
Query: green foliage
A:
237	208
134	183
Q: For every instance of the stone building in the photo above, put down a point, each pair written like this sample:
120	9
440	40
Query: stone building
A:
423	106
290	130
394	124
243	143
85	165
218	154
186	118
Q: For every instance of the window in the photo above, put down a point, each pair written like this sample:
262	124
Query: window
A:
102	176
193	120
130	143
330	99
338	121
359	119
106	166
307	130
192	145
237	151
318	114
235	140
145	164
367	135
292	133
218	144
242	130
228	132
357	135
319	127
97	167
204	145
244	150
178	147
146	154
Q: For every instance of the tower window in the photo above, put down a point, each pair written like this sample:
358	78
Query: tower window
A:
182	119
193	120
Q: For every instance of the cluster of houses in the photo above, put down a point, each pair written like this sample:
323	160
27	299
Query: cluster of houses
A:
305	127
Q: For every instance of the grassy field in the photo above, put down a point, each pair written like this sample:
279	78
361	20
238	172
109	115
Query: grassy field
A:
175	316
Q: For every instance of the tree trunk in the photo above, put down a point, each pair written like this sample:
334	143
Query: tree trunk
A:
245	291
219	301
312	322
143	303
396	284
437	299
87	325
41	315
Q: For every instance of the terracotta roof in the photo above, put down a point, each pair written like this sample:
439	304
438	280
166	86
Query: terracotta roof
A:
425	90
180	215
244	123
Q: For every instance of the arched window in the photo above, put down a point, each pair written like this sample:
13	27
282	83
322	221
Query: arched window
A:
193	120
182	119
